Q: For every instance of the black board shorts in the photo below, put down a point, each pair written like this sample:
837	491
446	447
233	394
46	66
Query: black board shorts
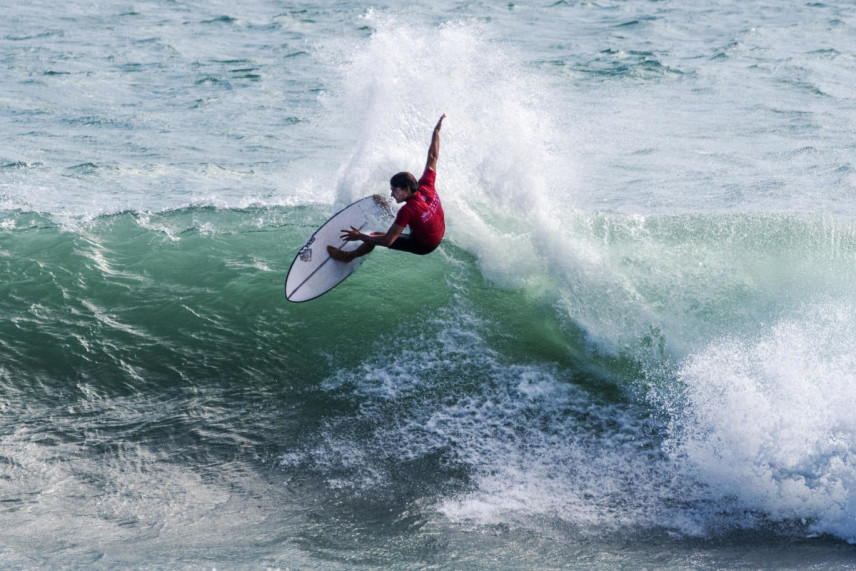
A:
407	243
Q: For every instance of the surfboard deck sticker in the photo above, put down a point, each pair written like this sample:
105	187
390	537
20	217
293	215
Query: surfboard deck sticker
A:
313	272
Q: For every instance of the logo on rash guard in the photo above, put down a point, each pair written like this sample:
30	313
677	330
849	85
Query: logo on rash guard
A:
432	208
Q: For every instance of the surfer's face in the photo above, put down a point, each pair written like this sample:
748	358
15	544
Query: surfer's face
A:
399	194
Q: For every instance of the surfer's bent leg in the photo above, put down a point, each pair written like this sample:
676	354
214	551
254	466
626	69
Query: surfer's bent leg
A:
342	256
406	243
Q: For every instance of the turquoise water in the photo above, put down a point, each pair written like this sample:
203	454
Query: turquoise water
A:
634	348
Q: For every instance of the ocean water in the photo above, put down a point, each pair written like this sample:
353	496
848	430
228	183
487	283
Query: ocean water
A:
636	347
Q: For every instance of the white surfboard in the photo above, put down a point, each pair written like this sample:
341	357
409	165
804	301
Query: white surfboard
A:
313	272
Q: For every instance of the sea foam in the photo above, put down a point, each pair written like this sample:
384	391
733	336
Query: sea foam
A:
769	420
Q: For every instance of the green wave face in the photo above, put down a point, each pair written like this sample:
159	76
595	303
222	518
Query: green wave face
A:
610	373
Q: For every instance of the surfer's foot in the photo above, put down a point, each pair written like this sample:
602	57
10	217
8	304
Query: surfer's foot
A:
340	255
381	201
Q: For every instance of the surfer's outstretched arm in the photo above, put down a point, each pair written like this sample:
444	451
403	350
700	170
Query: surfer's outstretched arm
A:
369	241
434	149
384	239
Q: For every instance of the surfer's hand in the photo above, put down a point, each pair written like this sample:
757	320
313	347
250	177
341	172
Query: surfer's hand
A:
352	235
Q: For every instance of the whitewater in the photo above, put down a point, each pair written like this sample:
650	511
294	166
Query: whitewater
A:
636	346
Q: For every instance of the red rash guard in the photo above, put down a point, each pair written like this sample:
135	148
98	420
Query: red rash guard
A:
424	213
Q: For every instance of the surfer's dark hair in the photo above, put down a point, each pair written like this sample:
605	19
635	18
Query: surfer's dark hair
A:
406	181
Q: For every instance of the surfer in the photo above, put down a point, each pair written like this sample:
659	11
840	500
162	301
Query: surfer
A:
422	212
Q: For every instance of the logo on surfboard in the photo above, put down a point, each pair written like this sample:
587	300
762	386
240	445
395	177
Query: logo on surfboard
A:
305	253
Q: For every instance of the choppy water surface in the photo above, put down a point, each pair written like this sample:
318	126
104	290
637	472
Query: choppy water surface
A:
635	346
